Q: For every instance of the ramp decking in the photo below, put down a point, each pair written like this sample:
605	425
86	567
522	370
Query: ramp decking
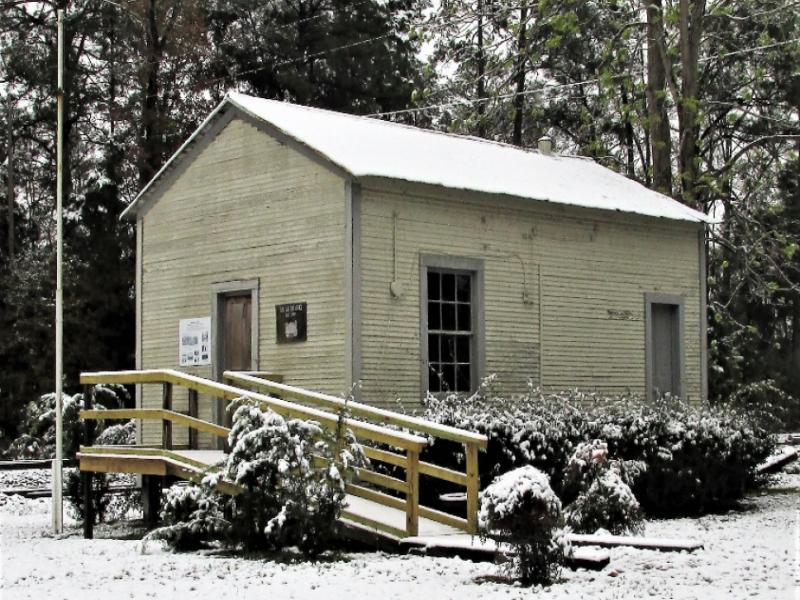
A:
387	437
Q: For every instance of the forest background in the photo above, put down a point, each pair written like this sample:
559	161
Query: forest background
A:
698	99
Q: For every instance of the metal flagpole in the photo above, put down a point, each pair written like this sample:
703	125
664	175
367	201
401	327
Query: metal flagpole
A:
58	507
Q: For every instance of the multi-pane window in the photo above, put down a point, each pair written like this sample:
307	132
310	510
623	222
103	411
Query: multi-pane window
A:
450	331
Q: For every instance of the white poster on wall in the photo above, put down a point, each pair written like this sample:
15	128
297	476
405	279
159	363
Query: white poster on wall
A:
194	342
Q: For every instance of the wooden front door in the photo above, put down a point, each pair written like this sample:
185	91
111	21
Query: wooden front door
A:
236	333
237	345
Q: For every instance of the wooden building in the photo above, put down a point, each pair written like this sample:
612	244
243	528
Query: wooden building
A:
333	249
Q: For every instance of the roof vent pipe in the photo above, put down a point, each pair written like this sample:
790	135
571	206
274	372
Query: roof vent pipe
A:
546	145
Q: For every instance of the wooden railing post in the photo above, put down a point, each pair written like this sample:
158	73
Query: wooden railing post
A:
166	427
193	413
473	487
86	476
412	496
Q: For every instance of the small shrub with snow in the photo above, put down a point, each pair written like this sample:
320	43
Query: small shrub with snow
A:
122	434
293	473
106	506
678	458
193	517
768	405
521	509
598	496
101	499
38	436
608	504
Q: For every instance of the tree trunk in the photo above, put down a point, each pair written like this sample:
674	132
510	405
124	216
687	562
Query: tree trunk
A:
522	52
795	358
630	164
481	73
150	144
691	32
10	178
658	121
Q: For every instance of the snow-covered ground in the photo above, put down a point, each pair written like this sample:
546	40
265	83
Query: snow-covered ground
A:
752	553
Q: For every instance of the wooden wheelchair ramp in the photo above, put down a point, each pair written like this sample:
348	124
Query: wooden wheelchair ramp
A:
384	507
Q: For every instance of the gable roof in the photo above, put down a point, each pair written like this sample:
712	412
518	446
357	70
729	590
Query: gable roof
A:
368	147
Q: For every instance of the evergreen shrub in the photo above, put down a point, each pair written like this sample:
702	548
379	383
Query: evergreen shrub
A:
106	505
521	509
292	475
193	517
680	459
38	430
599	497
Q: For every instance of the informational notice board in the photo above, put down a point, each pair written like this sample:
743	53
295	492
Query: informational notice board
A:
194	342
291	321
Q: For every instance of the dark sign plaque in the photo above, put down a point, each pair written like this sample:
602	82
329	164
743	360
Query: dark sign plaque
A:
291	321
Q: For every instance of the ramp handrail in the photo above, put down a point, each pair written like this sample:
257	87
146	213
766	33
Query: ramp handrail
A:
374	431
372	413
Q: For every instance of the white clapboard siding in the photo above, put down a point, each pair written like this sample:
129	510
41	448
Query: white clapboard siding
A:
591	262
247	207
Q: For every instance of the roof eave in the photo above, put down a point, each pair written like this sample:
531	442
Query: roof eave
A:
140	201
133	208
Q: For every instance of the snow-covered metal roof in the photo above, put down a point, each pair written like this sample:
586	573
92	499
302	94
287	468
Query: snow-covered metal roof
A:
368	147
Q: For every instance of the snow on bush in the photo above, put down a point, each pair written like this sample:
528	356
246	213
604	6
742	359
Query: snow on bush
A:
768	404
122	434
106	505
607	504
293	478
599	498
521	509
292	474
193	517
697	458
38	437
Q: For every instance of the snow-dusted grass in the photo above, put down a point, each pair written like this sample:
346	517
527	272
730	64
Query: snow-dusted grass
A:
750	553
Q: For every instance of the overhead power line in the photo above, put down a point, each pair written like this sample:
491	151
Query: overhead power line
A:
465	101
750	50
538	90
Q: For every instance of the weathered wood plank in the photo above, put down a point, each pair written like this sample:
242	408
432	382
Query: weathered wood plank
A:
611	541
412	494
156	414
99	463
363	520
382	480
473	488
776	462
391	458
450	475
443	517
375	496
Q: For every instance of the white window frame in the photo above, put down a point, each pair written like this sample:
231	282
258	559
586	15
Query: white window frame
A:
475	268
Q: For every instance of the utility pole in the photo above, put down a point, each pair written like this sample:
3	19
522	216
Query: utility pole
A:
10	177
58	505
